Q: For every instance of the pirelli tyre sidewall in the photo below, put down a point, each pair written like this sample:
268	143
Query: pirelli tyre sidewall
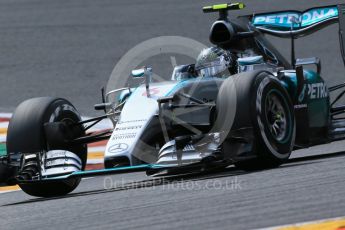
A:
252	90
272	149
26	135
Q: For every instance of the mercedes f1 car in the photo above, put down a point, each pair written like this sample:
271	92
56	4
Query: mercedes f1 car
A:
253	117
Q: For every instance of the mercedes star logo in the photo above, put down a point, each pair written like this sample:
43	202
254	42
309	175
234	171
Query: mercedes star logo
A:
117	148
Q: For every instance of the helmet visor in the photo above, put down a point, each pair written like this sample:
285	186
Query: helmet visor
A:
213	69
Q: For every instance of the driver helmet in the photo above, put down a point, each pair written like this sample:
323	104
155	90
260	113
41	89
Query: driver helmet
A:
215	62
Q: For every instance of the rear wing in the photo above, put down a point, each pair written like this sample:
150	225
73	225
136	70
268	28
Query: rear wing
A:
297	23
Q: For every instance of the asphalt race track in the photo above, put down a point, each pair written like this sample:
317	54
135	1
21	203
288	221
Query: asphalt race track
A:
68	48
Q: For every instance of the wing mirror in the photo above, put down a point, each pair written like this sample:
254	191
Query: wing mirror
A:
137	73
143	72
146	73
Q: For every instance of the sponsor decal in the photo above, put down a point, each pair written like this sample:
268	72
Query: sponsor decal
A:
301	106
302	95
317	90
56	154
188	148
118	148
306	18
128	128
314	91
131	121
124	136
53	162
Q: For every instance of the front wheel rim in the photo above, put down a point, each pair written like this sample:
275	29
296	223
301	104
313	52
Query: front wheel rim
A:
276	117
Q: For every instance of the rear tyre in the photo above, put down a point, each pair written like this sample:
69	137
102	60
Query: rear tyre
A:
26	135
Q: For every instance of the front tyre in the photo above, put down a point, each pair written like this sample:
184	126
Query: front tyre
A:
26	135
273	121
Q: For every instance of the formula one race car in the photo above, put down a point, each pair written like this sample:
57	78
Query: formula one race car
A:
240	104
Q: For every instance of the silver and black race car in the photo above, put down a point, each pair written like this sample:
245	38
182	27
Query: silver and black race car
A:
240	104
